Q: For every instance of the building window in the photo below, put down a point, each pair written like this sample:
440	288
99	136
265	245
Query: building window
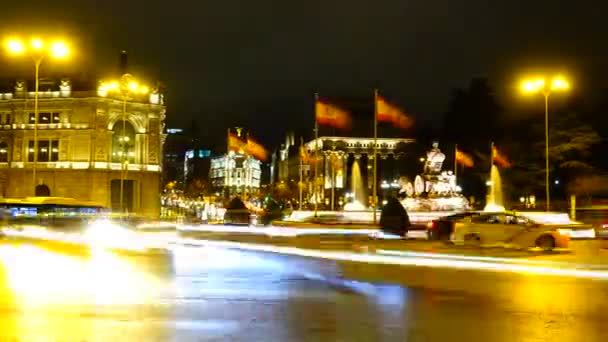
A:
54	150
45	118
3	152
48	150
6	119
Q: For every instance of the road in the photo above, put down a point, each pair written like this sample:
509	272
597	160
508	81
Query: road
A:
217	294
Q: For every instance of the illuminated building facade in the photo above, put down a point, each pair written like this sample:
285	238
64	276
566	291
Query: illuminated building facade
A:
337	157
236	173
81	144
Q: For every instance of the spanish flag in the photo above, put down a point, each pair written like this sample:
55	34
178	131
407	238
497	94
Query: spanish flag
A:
236	143
387	112
329	115
256	149
499	159
463	158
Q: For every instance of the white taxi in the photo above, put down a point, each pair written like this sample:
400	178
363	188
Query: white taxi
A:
510	230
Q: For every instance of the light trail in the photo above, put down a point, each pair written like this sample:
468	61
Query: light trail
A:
276	231
489	259
387	257
436	262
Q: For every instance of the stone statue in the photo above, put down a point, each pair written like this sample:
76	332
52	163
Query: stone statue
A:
434	160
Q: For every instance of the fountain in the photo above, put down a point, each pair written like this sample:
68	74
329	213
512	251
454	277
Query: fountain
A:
357	189
434	191
494	202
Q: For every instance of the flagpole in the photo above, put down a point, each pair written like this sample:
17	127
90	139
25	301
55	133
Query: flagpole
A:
375	176
333	184
491	165
491	156
301	165
316	156
226	164
456	162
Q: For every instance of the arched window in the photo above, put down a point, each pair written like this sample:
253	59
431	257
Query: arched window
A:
123	142
3	152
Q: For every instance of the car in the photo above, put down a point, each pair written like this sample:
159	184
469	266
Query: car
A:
443	227
509	229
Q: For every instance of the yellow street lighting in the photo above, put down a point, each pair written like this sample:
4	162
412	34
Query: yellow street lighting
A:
143	90
37	49
126	87
558	83
133	86
60	50
15	46
37	44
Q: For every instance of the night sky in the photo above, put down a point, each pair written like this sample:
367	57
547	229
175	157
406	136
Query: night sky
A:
258	63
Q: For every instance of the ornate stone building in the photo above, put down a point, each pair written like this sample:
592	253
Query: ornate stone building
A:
81	145
345	161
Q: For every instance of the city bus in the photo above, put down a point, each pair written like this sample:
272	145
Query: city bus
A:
57	213
66	221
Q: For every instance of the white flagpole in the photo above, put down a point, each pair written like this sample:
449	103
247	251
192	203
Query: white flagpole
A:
375	176
316	191
301	166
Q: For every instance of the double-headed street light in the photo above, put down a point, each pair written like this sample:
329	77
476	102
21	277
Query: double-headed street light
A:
126	87
539	85
37	49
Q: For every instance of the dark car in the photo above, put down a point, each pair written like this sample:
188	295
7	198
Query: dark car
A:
442	228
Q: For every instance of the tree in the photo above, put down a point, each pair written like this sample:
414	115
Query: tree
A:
197	187
571	140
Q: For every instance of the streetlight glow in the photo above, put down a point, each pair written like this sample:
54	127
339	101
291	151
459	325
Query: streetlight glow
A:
143	90
559	83
59	50
15	46
37	44
133	86
532	86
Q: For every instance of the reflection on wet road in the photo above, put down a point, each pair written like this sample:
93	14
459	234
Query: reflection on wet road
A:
208	293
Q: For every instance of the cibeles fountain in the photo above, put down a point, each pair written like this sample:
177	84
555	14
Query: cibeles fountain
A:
433	191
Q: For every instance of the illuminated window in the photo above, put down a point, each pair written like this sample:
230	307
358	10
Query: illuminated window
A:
45	118
3	152
43	150
48	151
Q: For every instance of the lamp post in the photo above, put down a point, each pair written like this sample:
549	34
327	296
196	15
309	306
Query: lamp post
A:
539	85
37	49
127	87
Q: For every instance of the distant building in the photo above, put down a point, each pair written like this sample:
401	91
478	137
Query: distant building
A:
176	144
197	164
288	161
81	145
235	173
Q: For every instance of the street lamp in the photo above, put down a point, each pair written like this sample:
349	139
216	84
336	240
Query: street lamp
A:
539	85
37	49
127	87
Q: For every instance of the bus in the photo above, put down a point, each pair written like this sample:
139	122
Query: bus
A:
57	213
